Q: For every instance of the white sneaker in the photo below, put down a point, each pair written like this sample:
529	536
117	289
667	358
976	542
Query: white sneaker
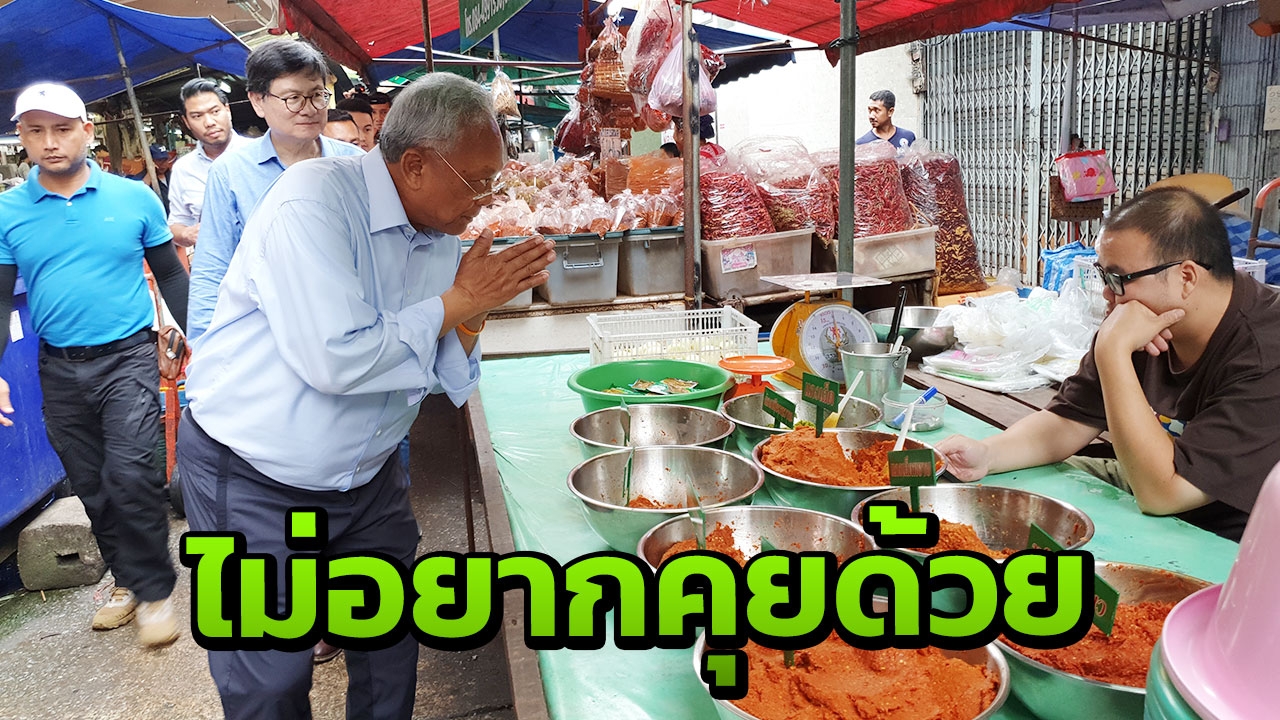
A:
157	623
118	611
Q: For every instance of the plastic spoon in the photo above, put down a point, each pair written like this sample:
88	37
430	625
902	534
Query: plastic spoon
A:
631	452
906	425
834	419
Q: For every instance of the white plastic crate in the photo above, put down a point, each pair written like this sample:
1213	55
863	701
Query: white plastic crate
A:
706	336
1086	276
1256	268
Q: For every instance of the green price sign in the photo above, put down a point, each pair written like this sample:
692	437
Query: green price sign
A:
912	468
477	19
779	408
823	394
1105	600
1038	539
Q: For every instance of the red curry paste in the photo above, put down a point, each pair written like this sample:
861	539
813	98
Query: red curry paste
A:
835	681
959	536
1123	658
798	454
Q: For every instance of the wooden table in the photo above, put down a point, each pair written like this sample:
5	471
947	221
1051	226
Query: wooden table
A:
996	408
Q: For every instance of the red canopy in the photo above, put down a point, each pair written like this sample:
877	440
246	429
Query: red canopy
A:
355	31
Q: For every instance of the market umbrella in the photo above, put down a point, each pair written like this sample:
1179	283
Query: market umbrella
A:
100	48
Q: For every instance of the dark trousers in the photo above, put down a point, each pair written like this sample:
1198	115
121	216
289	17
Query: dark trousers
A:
103	419
224	493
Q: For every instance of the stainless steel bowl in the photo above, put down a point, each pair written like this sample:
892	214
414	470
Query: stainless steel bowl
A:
601	431
833	499
754	425
1000	516
987	656
1055	695
664	475
794	529
917	329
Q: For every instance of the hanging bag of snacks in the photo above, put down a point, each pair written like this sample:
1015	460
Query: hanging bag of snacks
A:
934	188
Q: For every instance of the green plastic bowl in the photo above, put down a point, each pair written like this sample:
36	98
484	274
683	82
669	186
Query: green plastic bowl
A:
591	383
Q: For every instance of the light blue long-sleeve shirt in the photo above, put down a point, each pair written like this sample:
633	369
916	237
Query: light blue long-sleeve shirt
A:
324	341
237	181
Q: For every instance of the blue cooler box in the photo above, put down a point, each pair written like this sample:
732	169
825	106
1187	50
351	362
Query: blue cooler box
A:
29	469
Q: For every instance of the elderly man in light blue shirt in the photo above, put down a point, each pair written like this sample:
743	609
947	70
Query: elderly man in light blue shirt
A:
285	80
348	301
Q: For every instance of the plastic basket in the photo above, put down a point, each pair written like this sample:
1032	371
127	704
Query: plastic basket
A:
1086	276
1256	268
706	336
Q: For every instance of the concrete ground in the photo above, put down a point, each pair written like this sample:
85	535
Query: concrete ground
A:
52	665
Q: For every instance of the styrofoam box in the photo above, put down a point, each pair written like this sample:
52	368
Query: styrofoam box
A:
585	270
736	265
651	262
892	254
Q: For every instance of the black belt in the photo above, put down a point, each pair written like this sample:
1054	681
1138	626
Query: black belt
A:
90	352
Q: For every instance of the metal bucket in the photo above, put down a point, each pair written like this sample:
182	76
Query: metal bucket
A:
884	370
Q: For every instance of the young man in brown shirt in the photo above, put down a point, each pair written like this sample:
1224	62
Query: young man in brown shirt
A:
1184	373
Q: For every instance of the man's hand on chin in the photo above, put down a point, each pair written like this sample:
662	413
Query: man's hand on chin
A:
1132	326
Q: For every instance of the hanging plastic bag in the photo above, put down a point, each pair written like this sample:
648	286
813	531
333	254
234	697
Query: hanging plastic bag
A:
573	133
651	37
504	96
610	80
1085	175
667	93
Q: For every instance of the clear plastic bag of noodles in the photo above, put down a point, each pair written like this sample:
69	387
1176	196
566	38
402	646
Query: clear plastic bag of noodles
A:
504	96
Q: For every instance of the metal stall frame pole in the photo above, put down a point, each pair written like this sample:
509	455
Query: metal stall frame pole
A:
848	43
427	51
133	104
691	155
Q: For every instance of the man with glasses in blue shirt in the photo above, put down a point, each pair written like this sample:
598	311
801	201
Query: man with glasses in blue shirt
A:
286	84
1184	373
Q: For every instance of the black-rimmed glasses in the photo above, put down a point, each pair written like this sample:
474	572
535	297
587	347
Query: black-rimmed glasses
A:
295	103
495	187
1115	281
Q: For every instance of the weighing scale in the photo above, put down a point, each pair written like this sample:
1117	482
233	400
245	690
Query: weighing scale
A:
811	332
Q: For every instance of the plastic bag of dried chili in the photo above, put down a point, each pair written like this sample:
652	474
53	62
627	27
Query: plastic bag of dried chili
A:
573	134
934	187
731	207
652	34
880	204
796	203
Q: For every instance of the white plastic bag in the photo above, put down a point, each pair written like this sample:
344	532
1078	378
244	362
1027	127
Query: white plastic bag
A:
667	93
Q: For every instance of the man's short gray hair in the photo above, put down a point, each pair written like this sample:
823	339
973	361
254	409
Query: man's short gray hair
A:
433	111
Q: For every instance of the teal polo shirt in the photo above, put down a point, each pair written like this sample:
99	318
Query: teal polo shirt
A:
81	257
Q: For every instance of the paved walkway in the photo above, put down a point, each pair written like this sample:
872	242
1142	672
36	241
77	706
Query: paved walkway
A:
52	665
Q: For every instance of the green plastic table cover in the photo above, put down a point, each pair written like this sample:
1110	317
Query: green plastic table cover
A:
528	407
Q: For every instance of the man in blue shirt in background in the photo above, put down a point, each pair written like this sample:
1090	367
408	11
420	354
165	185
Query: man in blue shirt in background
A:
286	84
78	236
347	302
880	113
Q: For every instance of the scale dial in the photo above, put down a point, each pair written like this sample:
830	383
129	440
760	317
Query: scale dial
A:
825	332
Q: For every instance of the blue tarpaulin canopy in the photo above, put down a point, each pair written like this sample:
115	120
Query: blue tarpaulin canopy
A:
69	41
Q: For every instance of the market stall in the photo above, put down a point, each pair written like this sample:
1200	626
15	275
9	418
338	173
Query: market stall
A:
526	451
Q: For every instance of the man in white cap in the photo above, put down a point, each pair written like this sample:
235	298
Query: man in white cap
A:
78	236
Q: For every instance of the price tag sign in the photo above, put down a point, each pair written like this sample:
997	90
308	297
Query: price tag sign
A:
1105	600
823	394
779	408
912	468
1038	539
